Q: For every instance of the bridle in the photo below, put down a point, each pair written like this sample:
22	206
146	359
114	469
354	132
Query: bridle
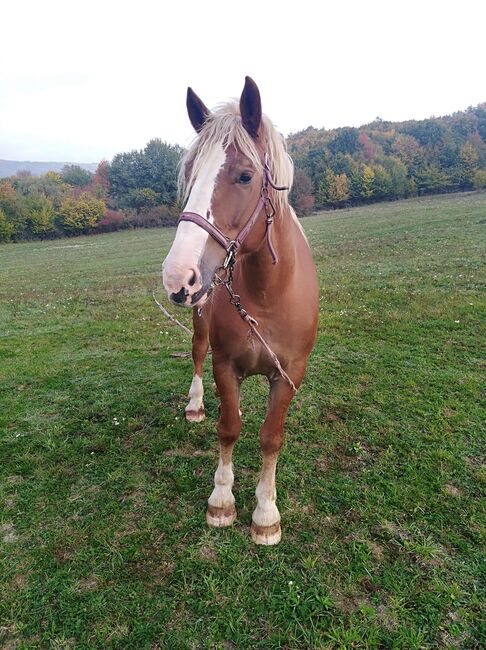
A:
231	247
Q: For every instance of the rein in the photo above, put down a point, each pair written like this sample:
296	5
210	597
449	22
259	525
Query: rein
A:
231	247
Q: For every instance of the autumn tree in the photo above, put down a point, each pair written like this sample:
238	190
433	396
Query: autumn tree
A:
102	175
367	143
77	216
13	208
6	228
301	195
367	182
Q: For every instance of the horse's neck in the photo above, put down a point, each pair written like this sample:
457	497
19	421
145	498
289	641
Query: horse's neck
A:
262	279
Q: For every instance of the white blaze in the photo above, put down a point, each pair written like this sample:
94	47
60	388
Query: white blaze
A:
190	239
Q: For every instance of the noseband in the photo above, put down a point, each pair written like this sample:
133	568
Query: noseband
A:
231	246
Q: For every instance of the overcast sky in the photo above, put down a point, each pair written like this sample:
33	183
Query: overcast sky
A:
81	81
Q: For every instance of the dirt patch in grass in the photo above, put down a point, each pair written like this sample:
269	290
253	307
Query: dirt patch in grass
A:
7	531
208	553
87	584
15	479
452	490
20	580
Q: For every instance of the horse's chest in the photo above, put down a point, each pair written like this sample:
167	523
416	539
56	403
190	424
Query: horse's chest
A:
239	344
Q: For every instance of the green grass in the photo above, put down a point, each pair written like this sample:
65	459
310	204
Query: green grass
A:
102	530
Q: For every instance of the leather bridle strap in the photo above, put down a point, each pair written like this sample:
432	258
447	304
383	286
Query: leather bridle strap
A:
232	245
206	225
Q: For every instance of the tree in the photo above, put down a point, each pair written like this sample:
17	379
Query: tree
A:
479	179
6	228
102	175
78	216
469	160
76	175
333	189
154	168
40	215
301	194
409	151
345	141
367	143
430	179
400	183
382	183
141	198
367	182
13	208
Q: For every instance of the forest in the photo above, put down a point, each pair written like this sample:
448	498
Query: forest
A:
334	168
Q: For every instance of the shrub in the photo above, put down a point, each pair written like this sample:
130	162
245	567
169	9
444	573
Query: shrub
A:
113	220
6	228
480	179
40	215
13	208
156	216
78	216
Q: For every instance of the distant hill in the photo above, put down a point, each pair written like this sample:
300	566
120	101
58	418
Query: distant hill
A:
11	167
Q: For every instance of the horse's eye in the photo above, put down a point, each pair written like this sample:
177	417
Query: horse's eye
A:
245	178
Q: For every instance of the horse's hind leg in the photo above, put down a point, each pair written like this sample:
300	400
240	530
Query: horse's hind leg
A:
200	345
265	526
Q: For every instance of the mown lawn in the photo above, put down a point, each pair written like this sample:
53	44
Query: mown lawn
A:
103	485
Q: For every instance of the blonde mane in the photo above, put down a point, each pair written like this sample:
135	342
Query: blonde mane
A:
224	127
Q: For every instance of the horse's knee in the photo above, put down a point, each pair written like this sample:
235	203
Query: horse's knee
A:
271	441
229	431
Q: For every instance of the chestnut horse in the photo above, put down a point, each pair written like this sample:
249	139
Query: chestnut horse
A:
234	180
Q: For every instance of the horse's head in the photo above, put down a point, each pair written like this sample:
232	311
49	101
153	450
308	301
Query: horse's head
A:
221	176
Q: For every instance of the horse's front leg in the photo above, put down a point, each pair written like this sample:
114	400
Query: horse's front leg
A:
265	526
221	504
200	344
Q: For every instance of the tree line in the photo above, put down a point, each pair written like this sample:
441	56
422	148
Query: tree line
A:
333	168
137	189
389	160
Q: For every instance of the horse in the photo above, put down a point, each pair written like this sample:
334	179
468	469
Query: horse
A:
241	261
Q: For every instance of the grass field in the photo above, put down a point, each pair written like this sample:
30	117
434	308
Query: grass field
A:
103	485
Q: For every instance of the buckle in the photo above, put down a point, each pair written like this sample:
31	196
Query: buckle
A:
230	255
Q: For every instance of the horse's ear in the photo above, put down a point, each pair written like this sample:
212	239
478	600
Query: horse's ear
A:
196	109
251	107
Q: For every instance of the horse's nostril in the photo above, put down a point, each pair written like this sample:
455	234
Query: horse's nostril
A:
179	297
192	279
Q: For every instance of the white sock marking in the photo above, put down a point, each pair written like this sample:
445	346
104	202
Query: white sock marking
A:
222	496
196	394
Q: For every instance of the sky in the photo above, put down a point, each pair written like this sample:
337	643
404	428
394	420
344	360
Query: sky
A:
83	81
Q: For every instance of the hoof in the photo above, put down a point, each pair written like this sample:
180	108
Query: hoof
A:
196	416
220	517
266	535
